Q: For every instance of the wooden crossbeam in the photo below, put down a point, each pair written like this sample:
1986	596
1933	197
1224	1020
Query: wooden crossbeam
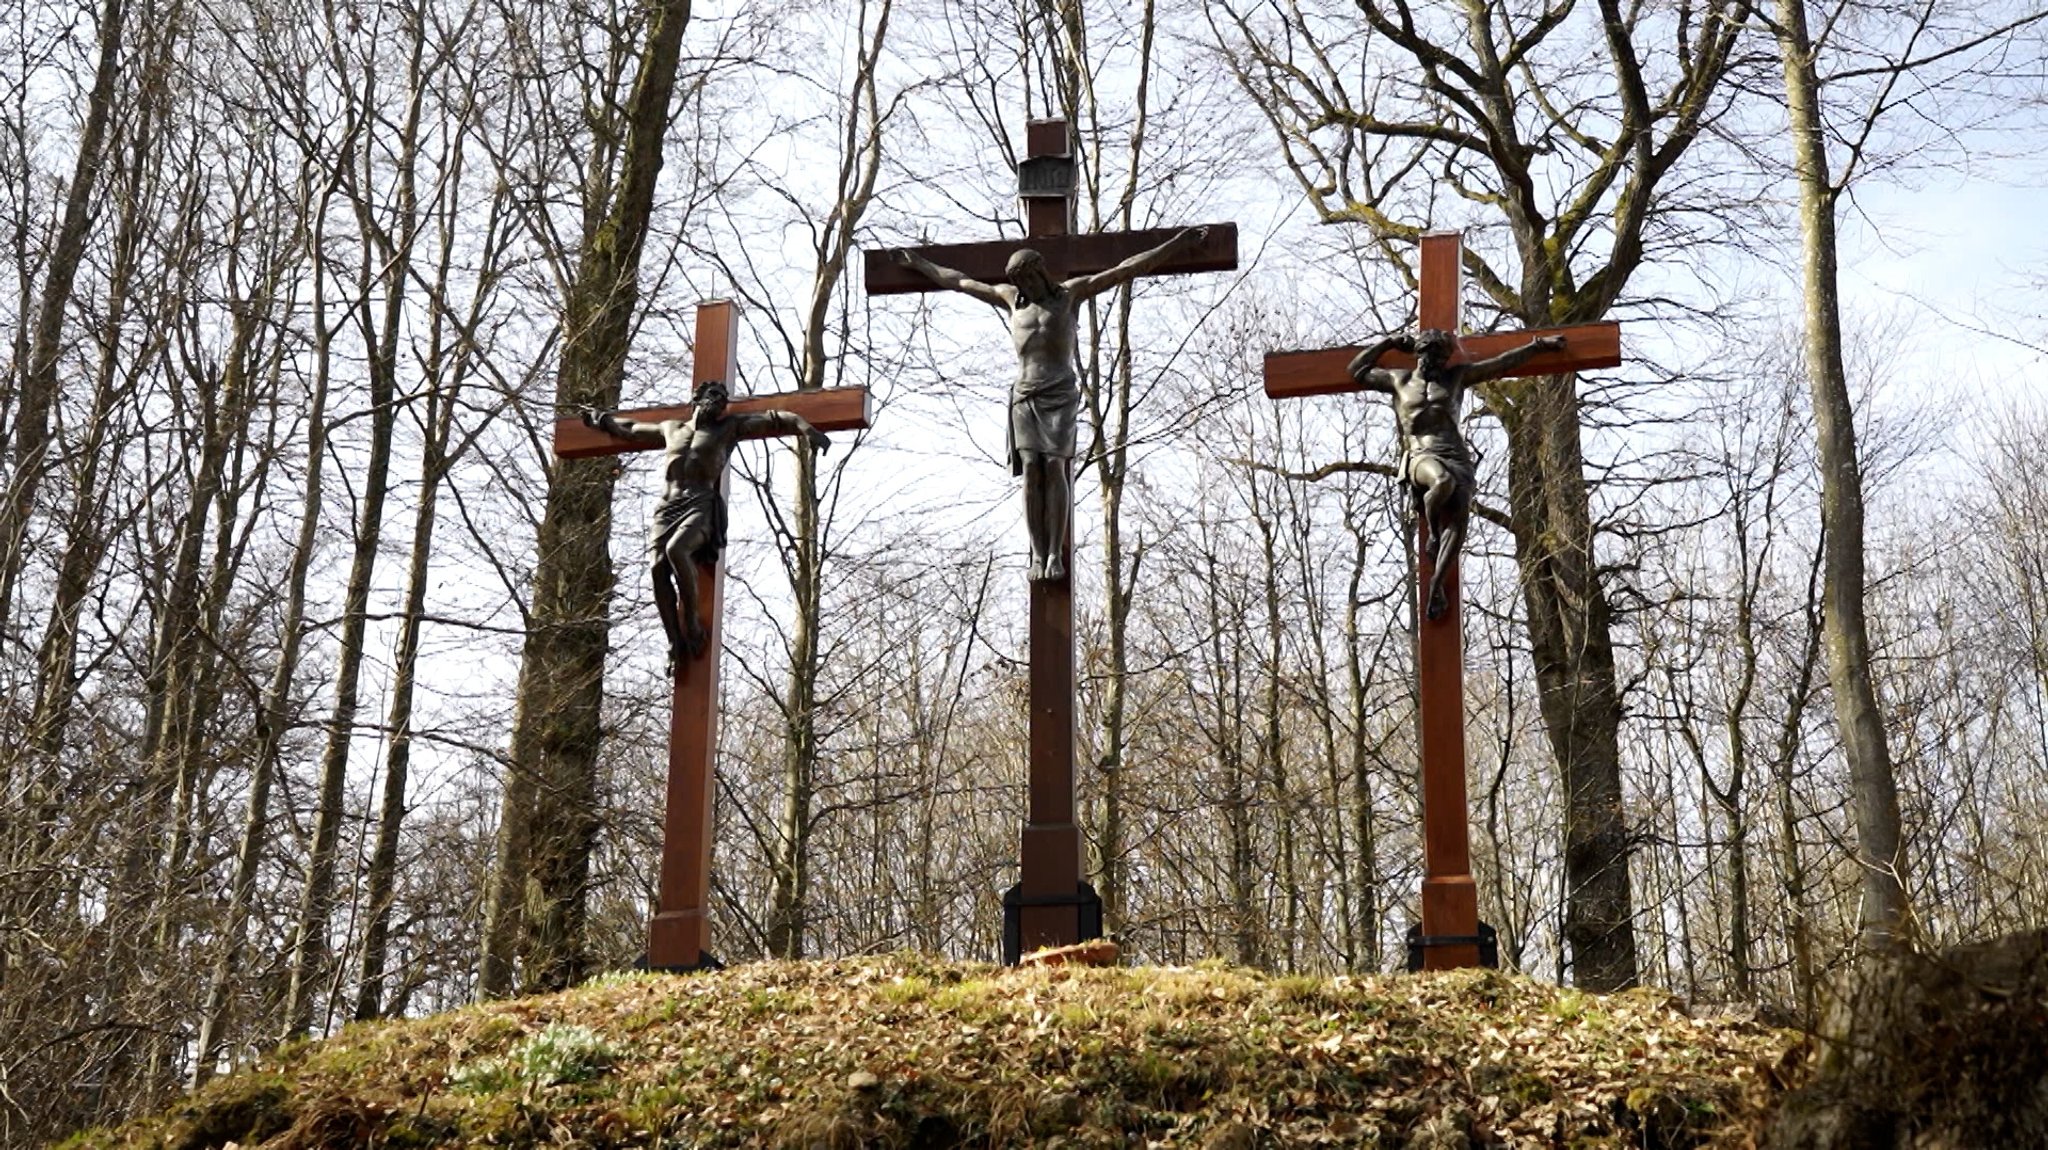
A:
1325	371
1065	255
831	409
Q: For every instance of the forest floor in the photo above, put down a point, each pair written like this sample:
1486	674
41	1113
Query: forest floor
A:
906	1052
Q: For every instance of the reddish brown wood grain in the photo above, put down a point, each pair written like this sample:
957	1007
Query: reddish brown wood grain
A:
1325	371
681	926
832	409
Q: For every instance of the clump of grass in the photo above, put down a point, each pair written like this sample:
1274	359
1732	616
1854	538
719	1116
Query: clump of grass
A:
558	1055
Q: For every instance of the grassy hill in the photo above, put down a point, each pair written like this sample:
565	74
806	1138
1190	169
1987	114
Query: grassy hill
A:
909	1052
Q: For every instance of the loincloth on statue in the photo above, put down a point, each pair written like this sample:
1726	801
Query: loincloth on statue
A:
1451	456
692	507
1045	418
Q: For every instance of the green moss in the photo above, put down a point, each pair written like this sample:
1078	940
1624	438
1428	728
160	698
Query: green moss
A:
762	1001
247	1108
905	991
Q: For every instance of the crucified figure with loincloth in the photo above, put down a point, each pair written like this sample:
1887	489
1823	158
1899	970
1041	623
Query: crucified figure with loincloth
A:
689	522
1045	404
1435	459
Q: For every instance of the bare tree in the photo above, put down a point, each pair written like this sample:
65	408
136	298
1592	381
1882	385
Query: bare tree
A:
36	379
535	907
1937	51
1479	103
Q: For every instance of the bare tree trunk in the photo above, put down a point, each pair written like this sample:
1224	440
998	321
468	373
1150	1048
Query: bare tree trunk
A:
1271	752
1791	863
1874	795
1574	656
790	865
26	841
1110	398
391	248
860	159
1366	831
40	381
549	822
274	713
445	388
194	675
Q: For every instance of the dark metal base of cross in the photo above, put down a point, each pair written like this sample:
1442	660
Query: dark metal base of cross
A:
1487	942
1087	907
705	961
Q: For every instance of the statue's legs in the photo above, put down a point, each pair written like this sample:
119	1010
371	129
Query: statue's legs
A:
1048	508
686	640
665	603
1445	507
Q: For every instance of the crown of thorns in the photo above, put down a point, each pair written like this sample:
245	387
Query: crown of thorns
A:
709	386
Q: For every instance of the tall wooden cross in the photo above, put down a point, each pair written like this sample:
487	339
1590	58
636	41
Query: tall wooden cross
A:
1051	905
681	927
1450	933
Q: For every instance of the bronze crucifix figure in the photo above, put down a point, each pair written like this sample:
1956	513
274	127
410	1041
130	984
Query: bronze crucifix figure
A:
1427	375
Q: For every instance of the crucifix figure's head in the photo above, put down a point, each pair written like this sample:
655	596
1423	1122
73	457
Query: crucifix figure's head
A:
710	397
1434	346
1026	270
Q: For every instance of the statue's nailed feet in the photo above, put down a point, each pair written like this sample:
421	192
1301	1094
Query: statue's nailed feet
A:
1438	602
692	645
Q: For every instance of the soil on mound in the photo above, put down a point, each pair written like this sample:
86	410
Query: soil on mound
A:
907	1052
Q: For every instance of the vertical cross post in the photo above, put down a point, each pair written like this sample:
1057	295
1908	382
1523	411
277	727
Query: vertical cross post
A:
1450	899
1050	907
681	927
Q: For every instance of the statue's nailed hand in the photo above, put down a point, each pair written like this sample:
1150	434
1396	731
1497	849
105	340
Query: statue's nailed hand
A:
1548	342
1194	236
592	417
901	257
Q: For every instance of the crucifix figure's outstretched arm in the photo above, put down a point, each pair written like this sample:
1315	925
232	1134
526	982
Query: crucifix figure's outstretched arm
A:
632	430
1506	362
949	279
1081	287
782	422
1372	378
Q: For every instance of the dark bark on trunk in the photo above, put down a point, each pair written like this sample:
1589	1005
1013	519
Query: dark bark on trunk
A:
1574	656
40	382
549	822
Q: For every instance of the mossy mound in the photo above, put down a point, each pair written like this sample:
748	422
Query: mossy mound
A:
907	1052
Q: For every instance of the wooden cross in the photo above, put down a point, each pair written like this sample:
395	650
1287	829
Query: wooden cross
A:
1051	906
1450	934
681	927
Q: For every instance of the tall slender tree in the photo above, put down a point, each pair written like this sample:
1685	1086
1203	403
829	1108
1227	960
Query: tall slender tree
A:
1932	51
548	823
